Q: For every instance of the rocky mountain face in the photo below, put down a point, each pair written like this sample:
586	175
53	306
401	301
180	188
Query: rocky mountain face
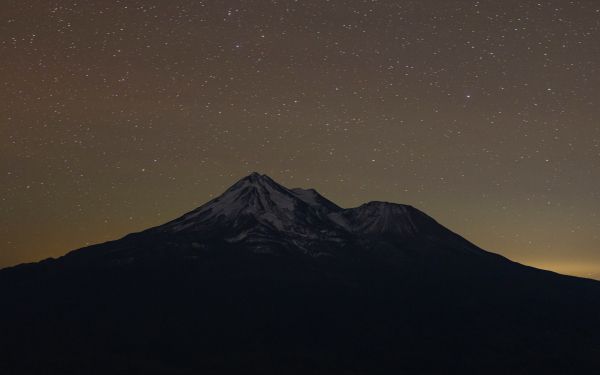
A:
266	279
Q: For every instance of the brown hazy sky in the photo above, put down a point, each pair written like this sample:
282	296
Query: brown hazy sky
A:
119	115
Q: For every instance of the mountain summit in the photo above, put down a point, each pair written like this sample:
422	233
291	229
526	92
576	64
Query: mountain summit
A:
263	214
257	205
268	280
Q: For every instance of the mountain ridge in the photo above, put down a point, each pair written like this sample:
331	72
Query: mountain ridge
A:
373	218
273	205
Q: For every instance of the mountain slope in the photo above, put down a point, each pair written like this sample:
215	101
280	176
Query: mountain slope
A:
265	279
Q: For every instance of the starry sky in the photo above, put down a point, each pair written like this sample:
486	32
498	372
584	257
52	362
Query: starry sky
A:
121	115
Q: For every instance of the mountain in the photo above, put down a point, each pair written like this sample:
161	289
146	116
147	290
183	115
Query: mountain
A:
266	279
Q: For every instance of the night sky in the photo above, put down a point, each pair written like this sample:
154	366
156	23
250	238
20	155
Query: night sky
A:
119	115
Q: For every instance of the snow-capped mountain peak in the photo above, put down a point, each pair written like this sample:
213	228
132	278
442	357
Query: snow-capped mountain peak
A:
381	218
258	210
254	204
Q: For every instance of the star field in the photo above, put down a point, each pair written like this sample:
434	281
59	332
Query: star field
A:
121	115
